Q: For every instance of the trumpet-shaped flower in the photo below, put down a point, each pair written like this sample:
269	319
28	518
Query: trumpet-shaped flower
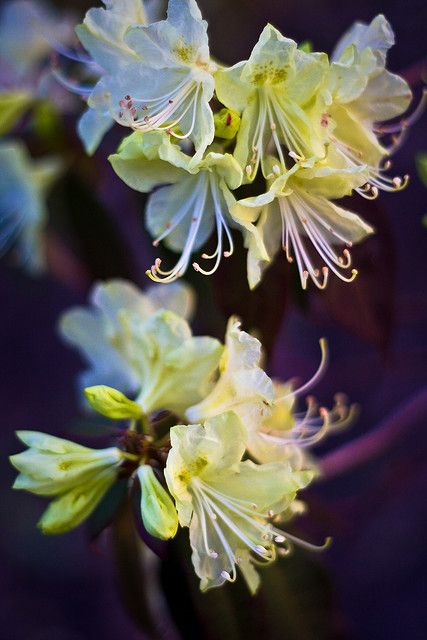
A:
196	200
76	477
97	332
360	93
24	184
274	91
284	434
133	343
103	34
242	387
161	76
228	504
297	208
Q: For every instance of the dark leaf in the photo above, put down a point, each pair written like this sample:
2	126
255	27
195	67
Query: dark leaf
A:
104	513
365	307
137	578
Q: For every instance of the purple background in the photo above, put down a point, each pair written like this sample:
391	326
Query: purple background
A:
64	589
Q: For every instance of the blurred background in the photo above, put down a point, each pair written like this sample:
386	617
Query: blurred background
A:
371	584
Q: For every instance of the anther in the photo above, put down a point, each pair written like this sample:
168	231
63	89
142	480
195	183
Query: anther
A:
260	549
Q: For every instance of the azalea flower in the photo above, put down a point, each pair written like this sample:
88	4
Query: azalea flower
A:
157	76
242	386
298	208
196	200
228	504
102	33
275	430
360	93
285	434
24	184
76	477
274	91
141	345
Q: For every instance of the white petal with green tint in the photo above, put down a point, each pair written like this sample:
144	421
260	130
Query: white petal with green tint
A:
228	506
272	92
173	368
77	475
241	382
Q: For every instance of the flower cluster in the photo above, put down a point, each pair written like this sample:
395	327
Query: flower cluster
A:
309	124
214	444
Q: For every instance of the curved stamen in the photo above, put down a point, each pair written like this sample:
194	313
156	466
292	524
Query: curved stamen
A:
311	429
406	122
221	227
265	536
162	113
70	84
156	273
228	550
315	378
375	179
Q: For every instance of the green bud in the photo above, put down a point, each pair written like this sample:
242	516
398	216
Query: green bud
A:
227	124
306	46
112	403
157	509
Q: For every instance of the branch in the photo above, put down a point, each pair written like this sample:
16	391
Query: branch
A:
378	441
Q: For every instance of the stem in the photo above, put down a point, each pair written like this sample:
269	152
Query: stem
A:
137	576
145	424
379	441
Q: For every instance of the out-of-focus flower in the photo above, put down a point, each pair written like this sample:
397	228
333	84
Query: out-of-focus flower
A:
298	207
274	91
24	184
196	201
156	76
77	477
28	31
228	504
139	344
360	93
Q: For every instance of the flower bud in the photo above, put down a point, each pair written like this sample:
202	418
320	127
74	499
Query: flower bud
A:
157	509
112	403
